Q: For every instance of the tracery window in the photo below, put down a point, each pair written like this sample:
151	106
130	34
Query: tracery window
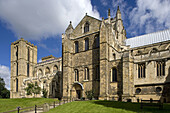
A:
160	68
76	72
86	74
114	75
141	70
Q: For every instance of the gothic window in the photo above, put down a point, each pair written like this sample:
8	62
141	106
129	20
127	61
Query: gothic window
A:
141	70
76	47
86	27
86	44
55	68
86	74
97	41
16	85
160	68
47	70
76	72
40	73
28	69
97	72
114	75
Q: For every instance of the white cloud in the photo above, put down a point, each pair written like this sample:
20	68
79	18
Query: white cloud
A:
40	60
5	74
149	16
36	19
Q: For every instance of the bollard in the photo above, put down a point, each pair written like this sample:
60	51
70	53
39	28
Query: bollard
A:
54	104
18	109
35	108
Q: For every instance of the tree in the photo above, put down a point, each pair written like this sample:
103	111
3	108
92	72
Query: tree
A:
32	89
4	92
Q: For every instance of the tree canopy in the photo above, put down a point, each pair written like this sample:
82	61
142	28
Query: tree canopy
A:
4	92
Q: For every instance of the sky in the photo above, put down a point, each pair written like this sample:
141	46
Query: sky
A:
42	22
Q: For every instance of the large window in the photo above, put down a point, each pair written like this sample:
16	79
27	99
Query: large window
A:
160	68
86	74
86	27
86	44
76	47
141	70
17	52
113	75
76	72
17	69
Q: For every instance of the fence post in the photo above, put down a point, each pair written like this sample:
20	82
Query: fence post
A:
54	104
35	108
18	109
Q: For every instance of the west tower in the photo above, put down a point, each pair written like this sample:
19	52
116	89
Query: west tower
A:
23	60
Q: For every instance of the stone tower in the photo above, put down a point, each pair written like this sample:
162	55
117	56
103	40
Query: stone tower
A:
23	60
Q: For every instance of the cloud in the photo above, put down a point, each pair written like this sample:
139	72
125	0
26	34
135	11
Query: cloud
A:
37	19
104	2
149	16
5	74
40	60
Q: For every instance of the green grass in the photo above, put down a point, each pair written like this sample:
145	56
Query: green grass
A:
99	106
11	104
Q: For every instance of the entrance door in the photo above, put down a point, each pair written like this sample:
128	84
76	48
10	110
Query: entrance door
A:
78	93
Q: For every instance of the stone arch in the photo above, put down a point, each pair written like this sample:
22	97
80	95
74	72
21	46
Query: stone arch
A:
55	68
153	50
77	90
40	72
47	70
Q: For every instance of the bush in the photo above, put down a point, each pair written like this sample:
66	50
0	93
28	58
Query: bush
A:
90	94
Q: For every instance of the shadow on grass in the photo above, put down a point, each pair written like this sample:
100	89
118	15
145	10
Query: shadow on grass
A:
135	107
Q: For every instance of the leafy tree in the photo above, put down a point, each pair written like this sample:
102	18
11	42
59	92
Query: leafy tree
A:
33	89
4	92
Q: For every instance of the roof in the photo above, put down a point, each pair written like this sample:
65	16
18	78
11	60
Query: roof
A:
147	39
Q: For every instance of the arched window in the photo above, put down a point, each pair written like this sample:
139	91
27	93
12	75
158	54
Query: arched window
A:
141	70
16	84
86	27
76	72
55	68
160	68
17	52
96	41
76	47
47	70
113	75
86	44
40	73
86	74
28	54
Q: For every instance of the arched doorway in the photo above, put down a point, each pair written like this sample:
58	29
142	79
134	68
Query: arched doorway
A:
77	90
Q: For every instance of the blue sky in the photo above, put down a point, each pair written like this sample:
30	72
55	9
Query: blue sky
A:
43	21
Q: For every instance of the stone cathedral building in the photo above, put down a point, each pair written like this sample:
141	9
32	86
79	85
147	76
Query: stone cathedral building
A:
97	57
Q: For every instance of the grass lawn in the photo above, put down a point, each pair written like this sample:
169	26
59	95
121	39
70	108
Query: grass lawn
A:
100	106
11	104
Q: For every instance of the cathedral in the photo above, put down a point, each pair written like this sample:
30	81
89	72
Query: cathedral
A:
98	57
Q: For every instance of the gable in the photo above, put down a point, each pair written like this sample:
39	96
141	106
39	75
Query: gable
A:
94	26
